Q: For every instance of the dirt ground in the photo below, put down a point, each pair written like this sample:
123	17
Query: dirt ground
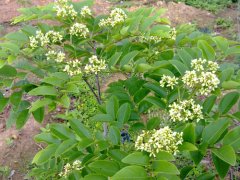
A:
18	147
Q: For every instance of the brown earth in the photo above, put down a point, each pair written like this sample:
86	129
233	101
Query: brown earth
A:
18	147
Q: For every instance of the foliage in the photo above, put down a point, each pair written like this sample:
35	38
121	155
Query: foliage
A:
167	68
223	23
213	5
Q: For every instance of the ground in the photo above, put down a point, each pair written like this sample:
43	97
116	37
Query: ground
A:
18	147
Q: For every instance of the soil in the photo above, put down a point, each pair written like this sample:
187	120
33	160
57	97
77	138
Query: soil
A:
17	147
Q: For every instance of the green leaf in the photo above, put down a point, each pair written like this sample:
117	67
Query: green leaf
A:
153	123
206	176
102	118
136	158
155	101
180	67
22	118
156	88
65	146
8	71
221	42
45	154
112	106
114	59
3	103
227	102
185	171
15	98
221	166
233	50
114	135
104	167
189	133
117	154
65	101
123	114
232	138
163	155
11	47
226	153
214	130
128	57
44	90
196	156
40	103
186	146
83	143
227	85
80	129
207	50
17	36
61	131
185	57
94	177
38	114
209	103
47	138
165	167
127	172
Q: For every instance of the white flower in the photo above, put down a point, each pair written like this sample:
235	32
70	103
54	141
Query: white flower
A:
85	11
185	110
60	57
173	34
33	42
155	141
68	168
168	81
57	56
51	55
64	10
202	78
95	65
117	16
79	29
54	36
73	67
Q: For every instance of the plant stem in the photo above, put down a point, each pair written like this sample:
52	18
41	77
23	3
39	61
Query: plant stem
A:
92	90
105	127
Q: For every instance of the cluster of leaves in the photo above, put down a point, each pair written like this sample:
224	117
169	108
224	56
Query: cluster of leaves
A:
145	48
213	5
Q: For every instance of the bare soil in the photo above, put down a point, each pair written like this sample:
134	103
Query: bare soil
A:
17	148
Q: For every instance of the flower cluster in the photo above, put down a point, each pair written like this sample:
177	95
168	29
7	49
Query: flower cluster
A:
95	65
173	34
168	81
64	10
80	30
117	16
68	168
155	141
57	56
154	39
85	11
202	78
185	110
42	39
73	67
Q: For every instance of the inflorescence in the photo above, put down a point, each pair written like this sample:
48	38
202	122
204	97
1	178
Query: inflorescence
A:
117	16
168	81
80	30
185	110
163	139
95	65
64	9
68	168
202	78
42	39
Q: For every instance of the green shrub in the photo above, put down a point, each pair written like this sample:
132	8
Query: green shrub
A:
174	72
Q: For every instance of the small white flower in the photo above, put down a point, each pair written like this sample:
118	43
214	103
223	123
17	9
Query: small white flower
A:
33	42
68	168
95	65
155	141
64	10
185	110
85	11
79	29
173	34
73	67
117	16
168	81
